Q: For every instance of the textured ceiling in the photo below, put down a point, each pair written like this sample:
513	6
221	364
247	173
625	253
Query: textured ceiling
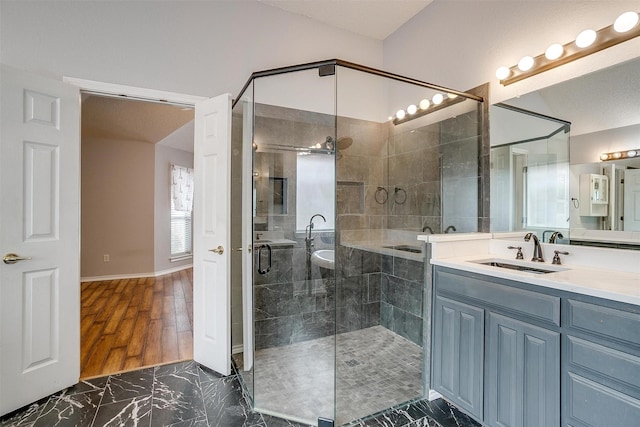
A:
372	18
126	119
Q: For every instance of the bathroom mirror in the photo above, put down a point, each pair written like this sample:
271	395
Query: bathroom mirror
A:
604	111
529	172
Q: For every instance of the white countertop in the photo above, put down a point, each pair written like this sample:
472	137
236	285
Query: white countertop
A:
378	246
618	279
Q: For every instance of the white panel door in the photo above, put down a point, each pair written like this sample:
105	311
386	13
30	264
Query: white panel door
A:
39	220
212	234
632	200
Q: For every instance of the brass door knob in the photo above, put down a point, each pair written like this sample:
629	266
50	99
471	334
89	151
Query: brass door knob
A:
13	258
219	250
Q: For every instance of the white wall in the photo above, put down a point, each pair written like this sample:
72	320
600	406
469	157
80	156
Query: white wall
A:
588	148
461	43
164	156
201	48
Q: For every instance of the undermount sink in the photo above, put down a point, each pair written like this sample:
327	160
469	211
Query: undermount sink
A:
405	248
518	267
324	258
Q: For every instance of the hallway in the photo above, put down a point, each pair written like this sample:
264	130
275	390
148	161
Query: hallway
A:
133	323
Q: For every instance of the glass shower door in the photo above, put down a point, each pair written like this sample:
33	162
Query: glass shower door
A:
293	238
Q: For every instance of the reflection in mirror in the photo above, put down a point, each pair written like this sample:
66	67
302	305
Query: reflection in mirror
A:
529	172
604	110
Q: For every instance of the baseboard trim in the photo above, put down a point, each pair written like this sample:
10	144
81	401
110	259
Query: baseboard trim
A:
433	395
135	275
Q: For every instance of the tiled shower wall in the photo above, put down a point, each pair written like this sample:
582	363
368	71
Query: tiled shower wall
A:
371	289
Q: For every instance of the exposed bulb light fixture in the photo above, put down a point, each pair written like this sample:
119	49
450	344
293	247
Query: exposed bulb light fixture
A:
554	51
626	22
626	27
424	104
412	109
437	98
526	63
586	38
452	96
503	72
400	114
620	155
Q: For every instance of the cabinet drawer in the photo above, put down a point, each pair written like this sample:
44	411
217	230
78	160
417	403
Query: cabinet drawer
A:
513	300
604	322
592	404
620	367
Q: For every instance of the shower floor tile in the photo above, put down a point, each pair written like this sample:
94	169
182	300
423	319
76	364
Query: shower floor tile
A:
376	369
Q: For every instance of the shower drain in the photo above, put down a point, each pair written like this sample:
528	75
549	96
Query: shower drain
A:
352	362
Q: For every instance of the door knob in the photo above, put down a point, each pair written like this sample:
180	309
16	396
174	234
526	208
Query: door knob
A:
13	258
219	250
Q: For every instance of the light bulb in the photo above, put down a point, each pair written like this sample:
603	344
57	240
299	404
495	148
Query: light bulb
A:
390	118
586	38
632	153
604	156
502	73
400	114
411	109
626	22
617	155
554	51
424	104
437	98
525	63
452	96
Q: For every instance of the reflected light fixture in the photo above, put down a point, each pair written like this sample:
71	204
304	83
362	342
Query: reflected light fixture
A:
400	114
411	109
437	98
424	104
620	155
587	42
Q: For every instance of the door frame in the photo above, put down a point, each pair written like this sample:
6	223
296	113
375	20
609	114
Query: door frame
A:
93	87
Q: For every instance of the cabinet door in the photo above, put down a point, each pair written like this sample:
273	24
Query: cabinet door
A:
523	374
458	354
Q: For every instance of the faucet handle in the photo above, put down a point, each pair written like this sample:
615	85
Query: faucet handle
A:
519	253
556	257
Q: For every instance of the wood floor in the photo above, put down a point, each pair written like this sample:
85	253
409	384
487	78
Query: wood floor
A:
132	323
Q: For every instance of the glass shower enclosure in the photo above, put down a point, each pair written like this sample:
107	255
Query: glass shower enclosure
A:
336	170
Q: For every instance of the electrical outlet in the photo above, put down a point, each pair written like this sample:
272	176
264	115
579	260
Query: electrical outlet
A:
106	258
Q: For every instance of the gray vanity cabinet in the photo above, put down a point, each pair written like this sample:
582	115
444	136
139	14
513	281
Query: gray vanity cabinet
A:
496	349
522	374
458	354
601	353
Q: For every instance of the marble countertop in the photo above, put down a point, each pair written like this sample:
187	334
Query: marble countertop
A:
598	282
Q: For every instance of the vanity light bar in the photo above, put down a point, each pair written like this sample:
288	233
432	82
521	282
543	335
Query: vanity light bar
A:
425	106
587	42
620	155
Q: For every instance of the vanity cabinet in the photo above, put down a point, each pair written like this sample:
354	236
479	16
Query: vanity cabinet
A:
458	353
522	374
511	378
601	375
527	363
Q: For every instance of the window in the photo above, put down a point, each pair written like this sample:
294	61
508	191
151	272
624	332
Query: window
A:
316	189
181	211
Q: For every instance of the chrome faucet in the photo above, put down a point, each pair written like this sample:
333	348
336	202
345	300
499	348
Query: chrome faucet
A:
309	243
555	235
310	226
427	228
451	227
537	249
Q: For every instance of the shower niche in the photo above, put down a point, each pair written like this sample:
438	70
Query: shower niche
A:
337	186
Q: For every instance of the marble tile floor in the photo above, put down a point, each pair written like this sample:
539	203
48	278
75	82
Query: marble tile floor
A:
376	369
187	395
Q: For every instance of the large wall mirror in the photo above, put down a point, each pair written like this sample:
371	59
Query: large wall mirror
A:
584	117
